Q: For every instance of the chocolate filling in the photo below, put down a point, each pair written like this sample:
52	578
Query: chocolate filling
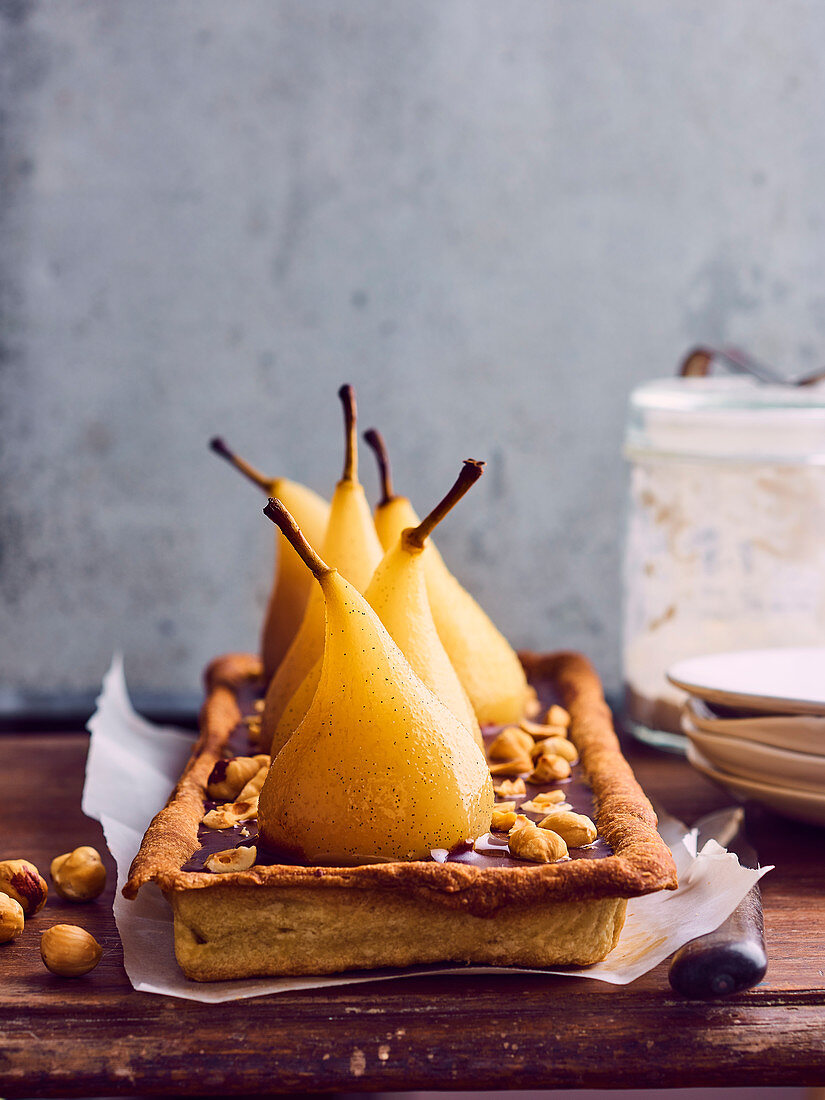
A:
490	850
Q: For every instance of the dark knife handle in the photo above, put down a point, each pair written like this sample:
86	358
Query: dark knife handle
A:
726	961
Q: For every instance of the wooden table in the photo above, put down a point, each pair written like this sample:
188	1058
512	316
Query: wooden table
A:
96	1036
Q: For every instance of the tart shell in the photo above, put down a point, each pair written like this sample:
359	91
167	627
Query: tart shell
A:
275	920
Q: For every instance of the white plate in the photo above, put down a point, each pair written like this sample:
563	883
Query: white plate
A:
778	681
764	763
796	732
800	805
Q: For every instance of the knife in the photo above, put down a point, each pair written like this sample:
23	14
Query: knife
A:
732	958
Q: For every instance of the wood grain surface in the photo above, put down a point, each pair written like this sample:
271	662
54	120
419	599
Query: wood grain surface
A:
96	1036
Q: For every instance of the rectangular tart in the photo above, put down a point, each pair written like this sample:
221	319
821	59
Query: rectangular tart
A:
291	920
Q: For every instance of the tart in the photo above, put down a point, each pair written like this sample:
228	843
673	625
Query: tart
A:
477	904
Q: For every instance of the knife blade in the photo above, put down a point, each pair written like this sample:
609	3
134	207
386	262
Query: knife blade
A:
733	958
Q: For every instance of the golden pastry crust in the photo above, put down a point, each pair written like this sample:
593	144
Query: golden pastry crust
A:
296	931
641	862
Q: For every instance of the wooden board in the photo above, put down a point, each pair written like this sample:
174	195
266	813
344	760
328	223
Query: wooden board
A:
96	1036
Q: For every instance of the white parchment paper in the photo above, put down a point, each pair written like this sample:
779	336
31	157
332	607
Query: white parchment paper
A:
133	765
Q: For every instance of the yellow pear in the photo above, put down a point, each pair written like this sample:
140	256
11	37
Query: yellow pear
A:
379	769
292	714
486	663
398	595
292	584
350	545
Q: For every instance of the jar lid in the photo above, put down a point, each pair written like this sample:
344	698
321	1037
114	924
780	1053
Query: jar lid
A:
727	417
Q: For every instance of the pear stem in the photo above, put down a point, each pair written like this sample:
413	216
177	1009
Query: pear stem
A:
347	395
374	439
415	537
255	476
275	511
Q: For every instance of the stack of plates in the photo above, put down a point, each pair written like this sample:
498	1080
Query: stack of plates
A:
756	724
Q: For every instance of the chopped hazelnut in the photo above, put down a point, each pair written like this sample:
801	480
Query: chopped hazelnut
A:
503	820
79	875
510	744
557	716
253	787
575	829
512	767
231	814
529	842
510	787
557	746
549	766
542	802
538	730
228	778
233	859
22	881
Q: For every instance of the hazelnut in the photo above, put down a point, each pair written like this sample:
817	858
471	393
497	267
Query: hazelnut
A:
557	716
575	829
540	730
69	951
233	859
541	803
253	787
12	918
511	767
503	820
504	807
21	880
510	744
510	787
231	814
228	778
79	875
557	746
536	845
549	767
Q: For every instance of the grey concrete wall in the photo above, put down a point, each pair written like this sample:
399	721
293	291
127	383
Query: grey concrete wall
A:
494	218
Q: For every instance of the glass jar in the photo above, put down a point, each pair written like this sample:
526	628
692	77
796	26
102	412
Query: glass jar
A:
725	539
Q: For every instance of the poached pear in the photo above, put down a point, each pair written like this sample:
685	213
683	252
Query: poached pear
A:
351	545
398	594
485	662
292	585
379	769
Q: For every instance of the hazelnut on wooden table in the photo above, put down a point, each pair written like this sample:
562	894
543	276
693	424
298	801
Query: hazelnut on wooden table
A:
79	875
22	881
69	951
12	918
